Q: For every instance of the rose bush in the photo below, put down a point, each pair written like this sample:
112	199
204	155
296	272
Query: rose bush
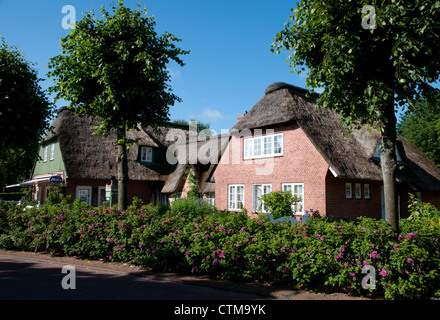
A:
323	254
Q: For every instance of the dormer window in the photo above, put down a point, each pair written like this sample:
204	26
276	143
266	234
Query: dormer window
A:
398	150
146	154
263	146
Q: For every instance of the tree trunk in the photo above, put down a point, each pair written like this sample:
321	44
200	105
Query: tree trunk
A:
389	166
122	162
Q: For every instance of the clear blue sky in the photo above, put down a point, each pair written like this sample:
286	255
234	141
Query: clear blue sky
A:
229	66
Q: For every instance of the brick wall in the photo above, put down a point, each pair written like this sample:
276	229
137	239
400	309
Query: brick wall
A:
300	163
141	189
339	206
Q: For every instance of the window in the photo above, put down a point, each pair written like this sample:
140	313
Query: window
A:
46	148
257	147
268	150
146	154
258	190
236	197
52	151
297	189
210	198
357	191
84	193
366	191
278	144
248	148
101	195
348	190
266	146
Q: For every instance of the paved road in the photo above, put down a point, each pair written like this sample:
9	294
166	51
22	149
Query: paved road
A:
42	280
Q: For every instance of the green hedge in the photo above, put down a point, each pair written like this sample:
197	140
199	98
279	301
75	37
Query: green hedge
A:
323	254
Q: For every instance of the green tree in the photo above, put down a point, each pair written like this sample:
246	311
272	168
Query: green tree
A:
24	114
370	60
421	126
204	129
115	70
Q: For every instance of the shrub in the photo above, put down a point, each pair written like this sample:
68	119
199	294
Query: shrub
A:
280	203
325	254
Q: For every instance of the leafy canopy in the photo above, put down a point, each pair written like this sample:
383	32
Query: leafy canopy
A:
422	127
115	69
362	70
24	107
24	114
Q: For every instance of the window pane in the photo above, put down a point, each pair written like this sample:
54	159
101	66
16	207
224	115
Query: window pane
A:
248	148
257	147
52	151
358	191
348	190
366	191
268	145
278	144
231	197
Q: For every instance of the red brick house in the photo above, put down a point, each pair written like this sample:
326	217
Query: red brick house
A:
285	143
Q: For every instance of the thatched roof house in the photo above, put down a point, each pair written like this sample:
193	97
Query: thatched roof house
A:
325	167
84	159
349	156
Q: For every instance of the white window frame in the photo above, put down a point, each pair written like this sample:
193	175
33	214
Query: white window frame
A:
348	190
358	191
367	194
248	148
46	148
89	188
280	142
256	201
210	198
263	146
146	154
100	188
292	186
233	197
52	151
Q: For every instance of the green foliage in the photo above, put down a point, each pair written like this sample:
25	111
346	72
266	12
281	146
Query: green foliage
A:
115	69
362	70
421	126
191	207
57	194
280	203
24	114
324	254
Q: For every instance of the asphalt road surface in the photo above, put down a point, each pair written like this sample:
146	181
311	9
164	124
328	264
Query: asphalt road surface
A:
44	280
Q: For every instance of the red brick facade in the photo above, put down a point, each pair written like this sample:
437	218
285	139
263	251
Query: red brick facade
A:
301	162
140	189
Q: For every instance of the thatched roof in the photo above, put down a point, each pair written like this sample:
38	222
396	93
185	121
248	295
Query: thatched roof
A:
349	156
94	157
209	152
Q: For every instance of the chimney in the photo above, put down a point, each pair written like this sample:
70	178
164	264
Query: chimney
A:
241	116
